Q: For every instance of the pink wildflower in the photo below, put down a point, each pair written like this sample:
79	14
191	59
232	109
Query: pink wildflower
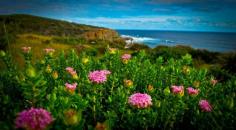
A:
205	106
33	119
26	49
140	100
192	91
98	76
49	50
214	81
71	71
177	90
71	87
126	56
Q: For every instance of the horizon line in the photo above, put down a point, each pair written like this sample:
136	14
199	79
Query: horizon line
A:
176	30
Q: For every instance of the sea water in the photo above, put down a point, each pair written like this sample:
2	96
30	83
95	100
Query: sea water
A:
212	41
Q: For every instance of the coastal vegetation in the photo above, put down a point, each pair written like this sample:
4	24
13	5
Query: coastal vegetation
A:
61	75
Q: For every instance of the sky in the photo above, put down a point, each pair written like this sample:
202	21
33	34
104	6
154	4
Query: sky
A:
180	15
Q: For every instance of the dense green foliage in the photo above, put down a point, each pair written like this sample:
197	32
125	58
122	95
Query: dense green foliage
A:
42	85
222	65
20	23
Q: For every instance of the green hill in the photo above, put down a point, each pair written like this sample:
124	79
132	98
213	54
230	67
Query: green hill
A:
27	24
20	23
19	30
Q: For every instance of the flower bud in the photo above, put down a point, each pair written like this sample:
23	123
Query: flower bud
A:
55	75
30	72
42	62
72	117
49	51
75	76
128	83
167	91
150	88
26	49
2	53
125	61
112	50
186	70
181	94
214	81
196	84
101	126
48	69
158	103
85	60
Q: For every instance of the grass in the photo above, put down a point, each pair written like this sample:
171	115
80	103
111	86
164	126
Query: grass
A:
37	42
40	42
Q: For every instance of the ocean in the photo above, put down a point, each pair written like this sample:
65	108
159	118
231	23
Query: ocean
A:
212	41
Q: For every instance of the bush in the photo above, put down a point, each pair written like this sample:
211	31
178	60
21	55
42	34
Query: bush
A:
85	92
137	47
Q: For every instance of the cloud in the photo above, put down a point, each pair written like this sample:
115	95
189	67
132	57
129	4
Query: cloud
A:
170	10
207	8
121	1
156	22
189	1
196	5
173	1
151	14
140	19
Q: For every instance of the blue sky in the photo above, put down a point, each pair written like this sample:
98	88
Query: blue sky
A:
192	15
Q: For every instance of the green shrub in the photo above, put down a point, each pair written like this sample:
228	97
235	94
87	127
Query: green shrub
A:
106	105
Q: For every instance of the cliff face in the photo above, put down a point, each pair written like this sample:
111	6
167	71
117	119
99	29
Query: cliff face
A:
101	34
20	24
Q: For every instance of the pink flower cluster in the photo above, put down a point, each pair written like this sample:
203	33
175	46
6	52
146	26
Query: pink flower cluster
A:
140	100
192	91
26	49
71	87
205	106
33	119
177	89
71	71
49	50
98	76
126	57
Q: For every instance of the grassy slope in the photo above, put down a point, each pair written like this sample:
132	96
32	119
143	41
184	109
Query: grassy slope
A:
20	23
39	33
37	43
66	32
40	42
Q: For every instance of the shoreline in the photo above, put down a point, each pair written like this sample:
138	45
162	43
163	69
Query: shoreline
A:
210	42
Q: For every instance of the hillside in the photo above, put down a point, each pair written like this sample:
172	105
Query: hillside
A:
21	23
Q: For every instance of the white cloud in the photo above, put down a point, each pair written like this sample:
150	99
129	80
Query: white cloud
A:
142	19
152	22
